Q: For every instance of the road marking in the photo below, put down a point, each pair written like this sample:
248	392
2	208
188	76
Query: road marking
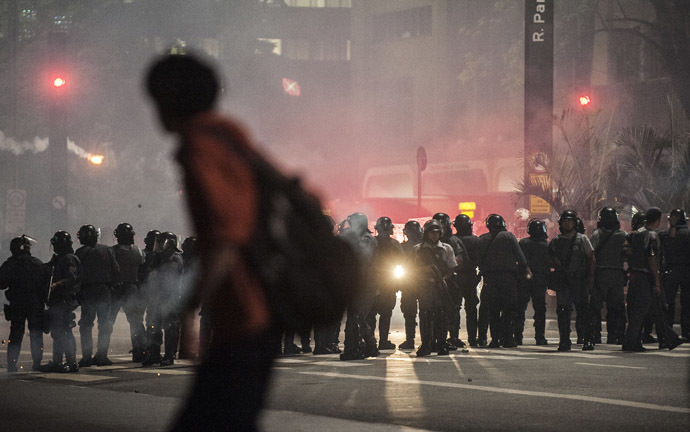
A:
618	402
613	366
79	377
554	353
453	357
340	363
163	371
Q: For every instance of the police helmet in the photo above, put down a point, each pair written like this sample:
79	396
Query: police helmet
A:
639	220
536	228
444	219
567	214
358	222
384	225
87	235
413	230
151	237
495	222
124	233
62	242
20	246
608	218
189	246
682	219
167	241
580	226
432	225
463	224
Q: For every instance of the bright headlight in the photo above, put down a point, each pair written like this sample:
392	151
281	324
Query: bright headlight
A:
398	272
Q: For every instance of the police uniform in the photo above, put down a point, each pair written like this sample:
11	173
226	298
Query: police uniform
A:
163	307
388	254
569	280
26	280
537	253
432	262
99	271
676	275
126	295
408	297
62	303
501	263
610	248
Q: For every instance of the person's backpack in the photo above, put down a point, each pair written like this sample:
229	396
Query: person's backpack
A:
308	273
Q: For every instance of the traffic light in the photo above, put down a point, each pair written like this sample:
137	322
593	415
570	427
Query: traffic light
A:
585	101
59	82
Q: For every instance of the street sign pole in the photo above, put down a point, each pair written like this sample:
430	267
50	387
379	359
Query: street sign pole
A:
421	166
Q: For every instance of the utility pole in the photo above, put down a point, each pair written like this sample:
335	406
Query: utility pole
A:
59	91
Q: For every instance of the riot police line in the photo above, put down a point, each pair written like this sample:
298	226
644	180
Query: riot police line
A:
444	272
437	272
100	280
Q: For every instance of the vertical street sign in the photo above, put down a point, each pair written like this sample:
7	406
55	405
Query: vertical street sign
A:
421	166
539	36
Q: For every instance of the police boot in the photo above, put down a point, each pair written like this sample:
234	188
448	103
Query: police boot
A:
101	359
384	330
471	329
12	357
306	344
540	331
564	314
409	335
153	356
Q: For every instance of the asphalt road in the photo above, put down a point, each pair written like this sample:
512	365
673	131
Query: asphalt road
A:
526	388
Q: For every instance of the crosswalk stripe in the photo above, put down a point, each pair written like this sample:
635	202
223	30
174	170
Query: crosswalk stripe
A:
613	366
78	377
163	371
594	399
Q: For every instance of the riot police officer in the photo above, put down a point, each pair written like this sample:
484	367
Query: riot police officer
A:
190	260
100	268
468	279
126	293
408	292
388	255
501	264
675	244
434	265
610	252
164	301
573	277
644	291
62	302
536	251
26	280
461	257
356	327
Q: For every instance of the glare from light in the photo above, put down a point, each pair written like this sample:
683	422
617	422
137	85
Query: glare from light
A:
398	271
585	100
59	82
96	159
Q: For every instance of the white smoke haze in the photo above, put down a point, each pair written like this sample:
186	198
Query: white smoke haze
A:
17	148
38	145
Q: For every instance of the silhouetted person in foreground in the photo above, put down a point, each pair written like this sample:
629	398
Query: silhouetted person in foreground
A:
223	199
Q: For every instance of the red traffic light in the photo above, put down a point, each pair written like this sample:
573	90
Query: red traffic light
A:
585	101
59	82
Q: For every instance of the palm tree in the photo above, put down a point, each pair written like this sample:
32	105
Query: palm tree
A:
650	169
580	156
